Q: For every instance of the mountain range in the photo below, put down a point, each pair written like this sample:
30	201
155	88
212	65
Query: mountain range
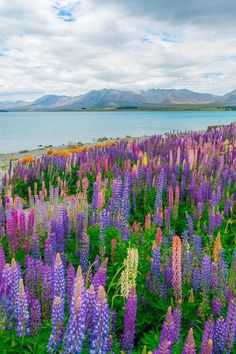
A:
118	99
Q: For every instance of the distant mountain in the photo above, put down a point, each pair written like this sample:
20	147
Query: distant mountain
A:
116	99
173	96
229	98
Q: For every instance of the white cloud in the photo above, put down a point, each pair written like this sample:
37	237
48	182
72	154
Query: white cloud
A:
70	47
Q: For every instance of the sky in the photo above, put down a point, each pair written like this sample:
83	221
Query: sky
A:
69	47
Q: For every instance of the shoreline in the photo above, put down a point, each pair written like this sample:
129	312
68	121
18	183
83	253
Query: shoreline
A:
5	158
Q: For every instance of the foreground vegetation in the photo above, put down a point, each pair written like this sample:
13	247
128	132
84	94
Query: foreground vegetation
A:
125	246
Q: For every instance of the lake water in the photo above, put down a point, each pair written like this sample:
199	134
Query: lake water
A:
28	130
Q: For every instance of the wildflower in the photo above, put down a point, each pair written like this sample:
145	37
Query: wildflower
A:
57	325
127	340
176	267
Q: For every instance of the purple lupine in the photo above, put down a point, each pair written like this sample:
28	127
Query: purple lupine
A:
214	275
35	249
222	275
35	317
127	340
70	279
16	276
177	316
168	276
21	311
80	227
156	264
207	334
48	251
230	326
189	347
92	315
58	278
197	249
47	290
6	291
57	325
187	267
206	273
168	328
84	253
158	202
216	306
100	277
165	347
190	225
100	337
219	336
196	282
75	332
2	261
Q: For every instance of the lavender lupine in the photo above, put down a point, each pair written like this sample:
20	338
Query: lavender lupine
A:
127	340
75	332
57	325
100	337
21	311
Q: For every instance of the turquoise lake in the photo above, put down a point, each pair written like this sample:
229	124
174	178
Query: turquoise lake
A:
28	130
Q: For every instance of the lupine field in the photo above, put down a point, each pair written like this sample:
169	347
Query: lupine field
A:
123	247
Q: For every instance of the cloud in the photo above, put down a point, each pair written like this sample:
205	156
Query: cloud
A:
70	47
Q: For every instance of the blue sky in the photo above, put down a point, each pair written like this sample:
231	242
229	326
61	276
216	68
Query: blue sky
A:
70	47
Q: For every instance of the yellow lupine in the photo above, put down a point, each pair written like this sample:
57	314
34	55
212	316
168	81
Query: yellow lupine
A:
145	160
217	247
128	275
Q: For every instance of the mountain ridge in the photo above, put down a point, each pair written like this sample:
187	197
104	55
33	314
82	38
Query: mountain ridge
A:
116	99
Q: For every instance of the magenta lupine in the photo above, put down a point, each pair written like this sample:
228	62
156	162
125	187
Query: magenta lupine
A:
58	278
127	340
230	326
189	347
21	311
99	339
35	317
75	332
219	336
57	325
207	333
